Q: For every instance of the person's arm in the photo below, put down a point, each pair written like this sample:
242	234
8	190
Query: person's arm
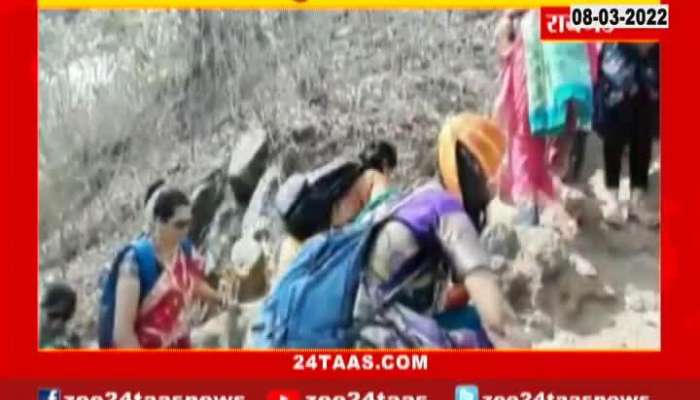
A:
202	290
127	304
205	292
470	262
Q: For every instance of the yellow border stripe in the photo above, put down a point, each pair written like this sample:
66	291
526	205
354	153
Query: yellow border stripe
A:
320	4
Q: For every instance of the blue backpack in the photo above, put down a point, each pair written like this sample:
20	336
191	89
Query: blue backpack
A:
145	257
312	305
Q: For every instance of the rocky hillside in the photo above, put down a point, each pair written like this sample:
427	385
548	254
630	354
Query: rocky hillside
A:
260	95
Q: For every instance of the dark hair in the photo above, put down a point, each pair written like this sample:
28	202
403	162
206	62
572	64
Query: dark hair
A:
474	187
377	154
59	300
152	189
166	203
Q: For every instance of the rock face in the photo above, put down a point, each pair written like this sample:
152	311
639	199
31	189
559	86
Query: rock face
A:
248	161
206	200
225	230
261	220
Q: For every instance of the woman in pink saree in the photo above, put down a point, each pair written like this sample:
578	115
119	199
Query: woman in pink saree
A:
529	178
526	180
160	318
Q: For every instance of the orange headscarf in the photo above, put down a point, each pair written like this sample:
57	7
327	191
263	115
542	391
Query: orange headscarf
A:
481	136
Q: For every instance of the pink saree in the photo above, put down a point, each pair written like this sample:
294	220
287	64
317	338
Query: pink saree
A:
528	171
525	175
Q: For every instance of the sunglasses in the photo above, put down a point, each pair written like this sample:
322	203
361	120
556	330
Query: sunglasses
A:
182	224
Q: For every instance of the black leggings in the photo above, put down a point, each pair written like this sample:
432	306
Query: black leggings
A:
633	125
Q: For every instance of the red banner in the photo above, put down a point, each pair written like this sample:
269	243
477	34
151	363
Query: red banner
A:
284	389
24	370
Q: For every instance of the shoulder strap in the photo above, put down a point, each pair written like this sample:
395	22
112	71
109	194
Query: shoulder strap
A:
145	257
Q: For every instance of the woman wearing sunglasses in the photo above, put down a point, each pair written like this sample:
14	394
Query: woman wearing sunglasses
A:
158	318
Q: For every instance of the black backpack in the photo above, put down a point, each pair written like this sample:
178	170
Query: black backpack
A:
305	201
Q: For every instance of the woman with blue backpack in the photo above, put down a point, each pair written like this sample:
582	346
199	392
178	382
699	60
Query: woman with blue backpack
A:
382	283
154	280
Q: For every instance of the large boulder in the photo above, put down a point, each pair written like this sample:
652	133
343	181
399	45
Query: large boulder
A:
547	277
224	231
261	219
206	200
546	248
248	267
248	161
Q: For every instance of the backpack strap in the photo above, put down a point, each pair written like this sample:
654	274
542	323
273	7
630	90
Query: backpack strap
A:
145	257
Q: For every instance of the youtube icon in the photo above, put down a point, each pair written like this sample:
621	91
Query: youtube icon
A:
284	395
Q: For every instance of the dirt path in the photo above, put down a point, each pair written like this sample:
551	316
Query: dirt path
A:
628	260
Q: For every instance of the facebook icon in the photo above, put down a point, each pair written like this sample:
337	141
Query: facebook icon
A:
467	392
49	394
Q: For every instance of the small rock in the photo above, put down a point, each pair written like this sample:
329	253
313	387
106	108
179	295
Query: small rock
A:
583	266
652	319
641	300
248	161
248	263
342	32
502	240
542	323
520	283
635	302
498	264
